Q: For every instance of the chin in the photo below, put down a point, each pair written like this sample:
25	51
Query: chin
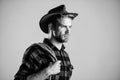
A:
65	40
61	40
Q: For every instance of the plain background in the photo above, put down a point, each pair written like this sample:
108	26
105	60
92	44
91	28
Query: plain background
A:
94	45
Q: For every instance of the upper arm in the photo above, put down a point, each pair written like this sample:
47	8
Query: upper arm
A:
34	60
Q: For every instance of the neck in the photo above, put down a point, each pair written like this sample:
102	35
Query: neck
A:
56	43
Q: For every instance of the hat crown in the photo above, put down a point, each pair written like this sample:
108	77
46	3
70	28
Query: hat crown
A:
46	19
59	9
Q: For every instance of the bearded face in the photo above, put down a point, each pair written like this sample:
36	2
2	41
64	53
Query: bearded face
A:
62	29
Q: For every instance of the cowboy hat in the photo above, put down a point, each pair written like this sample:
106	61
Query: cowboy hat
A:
57	11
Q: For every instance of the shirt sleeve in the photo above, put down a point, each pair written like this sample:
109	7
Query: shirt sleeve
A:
34	60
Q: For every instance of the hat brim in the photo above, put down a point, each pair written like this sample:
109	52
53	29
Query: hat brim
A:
46	19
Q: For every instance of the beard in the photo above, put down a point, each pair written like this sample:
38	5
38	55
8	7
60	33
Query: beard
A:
61	38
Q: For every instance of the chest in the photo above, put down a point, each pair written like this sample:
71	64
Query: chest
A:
65	60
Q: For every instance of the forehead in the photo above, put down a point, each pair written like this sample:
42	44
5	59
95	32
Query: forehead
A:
65	20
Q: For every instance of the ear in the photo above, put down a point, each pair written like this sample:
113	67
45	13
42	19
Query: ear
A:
50	27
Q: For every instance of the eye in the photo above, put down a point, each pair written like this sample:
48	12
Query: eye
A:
63	26
70	26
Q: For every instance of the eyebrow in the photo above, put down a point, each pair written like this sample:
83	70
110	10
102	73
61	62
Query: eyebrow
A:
64	25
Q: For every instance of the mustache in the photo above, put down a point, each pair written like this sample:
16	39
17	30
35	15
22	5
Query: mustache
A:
66	34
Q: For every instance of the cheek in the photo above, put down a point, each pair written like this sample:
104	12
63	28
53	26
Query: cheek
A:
62	30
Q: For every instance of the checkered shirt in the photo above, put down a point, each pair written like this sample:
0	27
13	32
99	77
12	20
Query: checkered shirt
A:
35	60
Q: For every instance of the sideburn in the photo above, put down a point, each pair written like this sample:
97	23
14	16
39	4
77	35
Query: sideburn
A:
57	37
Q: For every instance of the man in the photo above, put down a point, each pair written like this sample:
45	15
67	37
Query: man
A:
48	60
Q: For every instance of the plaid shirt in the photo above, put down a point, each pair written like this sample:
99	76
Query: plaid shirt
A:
35	59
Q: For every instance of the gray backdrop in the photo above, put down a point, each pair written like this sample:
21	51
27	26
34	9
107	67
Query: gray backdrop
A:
94	45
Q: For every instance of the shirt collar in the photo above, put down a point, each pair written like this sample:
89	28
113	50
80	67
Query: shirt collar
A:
48	42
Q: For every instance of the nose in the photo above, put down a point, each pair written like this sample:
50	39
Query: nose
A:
67	30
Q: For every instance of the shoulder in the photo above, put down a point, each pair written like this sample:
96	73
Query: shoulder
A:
37	49
36	46
34	50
